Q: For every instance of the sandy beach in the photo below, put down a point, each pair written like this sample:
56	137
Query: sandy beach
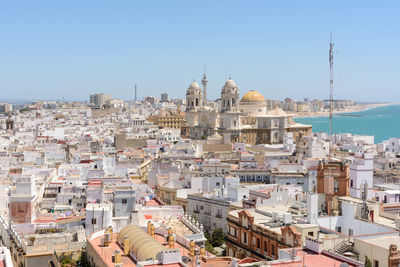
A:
355	108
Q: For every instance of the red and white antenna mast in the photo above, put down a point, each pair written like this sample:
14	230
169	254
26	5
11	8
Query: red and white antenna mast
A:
331	89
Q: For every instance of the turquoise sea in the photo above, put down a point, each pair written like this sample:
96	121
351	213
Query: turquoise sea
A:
382	122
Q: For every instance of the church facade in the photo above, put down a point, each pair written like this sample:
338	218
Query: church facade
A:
247	120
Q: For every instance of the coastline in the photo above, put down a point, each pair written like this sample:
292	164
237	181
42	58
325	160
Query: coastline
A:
353	109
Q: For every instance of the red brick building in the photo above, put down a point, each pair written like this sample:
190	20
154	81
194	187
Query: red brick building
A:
249	235
333	179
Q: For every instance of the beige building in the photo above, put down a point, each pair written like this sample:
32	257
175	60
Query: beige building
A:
247	120
100	100
381	250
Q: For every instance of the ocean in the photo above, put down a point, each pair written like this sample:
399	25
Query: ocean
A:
382	122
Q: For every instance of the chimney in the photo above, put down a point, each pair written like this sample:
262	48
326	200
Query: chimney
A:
126	245
117	257
192	248
153	231
108	236
171	243
312	208
274	216
202	251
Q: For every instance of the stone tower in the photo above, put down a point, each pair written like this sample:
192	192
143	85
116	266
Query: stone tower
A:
193	97
230	97
204	82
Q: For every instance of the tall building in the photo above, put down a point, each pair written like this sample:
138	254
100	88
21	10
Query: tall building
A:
164	97
361	173
22	200
100	100
5	107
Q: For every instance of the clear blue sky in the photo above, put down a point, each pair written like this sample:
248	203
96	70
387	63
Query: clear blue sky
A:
55	49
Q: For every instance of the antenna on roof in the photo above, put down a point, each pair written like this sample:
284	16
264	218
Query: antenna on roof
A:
330	90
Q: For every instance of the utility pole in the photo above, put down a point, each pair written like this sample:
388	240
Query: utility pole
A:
331	89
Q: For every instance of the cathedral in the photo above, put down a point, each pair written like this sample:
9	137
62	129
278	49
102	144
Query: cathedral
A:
247	120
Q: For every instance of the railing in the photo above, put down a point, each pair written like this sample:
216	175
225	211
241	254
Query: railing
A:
51	247
196	228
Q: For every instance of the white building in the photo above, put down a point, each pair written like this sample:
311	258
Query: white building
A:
98	217
361	171
394	145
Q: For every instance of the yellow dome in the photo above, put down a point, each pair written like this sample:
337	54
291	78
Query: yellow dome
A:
252	97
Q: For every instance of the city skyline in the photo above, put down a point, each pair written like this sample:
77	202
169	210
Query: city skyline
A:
58	50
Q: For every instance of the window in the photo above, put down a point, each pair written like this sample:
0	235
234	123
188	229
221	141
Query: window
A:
265	246
244	238
351	183
124	201
339	229
21	208
93	220
258	243
264	136
310	233
376	263
217	184
336	186
219	214
273	250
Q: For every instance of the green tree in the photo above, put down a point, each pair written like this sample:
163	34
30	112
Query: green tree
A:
209	247
368	262
83	260
217	237
66	261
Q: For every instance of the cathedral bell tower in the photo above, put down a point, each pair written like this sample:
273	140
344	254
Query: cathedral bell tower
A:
230	97
193	97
